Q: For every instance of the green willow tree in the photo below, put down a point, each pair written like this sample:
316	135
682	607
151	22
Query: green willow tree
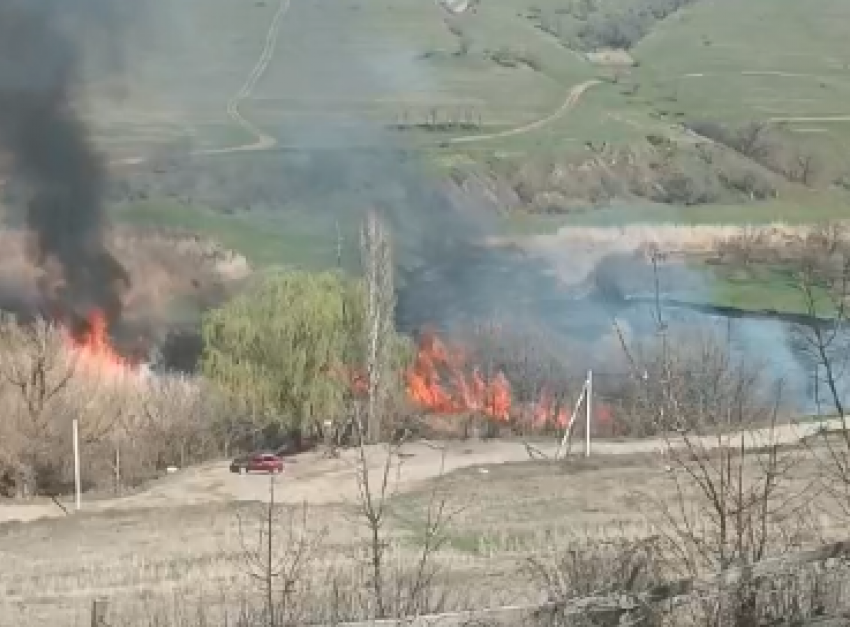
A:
289	348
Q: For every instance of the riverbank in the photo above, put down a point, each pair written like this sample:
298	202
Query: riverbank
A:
739	268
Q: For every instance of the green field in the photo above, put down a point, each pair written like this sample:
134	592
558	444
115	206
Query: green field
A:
765	287
805	208
268	240
373	62
342	73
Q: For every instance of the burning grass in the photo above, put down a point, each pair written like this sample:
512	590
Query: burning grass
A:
513	381
169	271
471	391
48	376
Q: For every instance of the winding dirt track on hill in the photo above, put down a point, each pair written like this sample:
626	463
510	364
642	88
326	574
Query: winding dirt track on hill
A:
573	97
262	141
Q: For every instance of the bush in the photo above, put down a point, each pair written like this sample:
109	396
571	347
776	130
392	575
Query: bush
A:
153	420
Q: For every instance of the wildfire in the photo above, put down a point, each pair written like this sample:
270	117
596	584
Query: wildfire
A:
93	348
546	411
440	381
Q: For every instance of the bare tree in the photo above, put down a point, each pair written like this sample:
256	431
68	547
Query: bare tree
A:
372	414
279	558
395	594
177	416
36	366
753	141
824	287
803	167
34	362
735	503
380	307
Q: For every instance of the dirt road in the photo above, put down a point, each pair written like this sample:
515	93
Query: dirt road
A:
319	480
573	97
262	141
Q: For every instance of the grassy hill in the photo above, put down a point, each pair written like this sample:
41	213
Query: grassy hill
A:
511	91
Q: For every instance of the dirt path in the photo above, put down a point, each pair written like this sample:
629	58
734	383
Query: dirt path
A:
319	480
573	97
262	141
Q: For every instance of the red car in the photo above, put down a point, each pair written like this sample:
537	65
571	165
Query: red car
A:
258	462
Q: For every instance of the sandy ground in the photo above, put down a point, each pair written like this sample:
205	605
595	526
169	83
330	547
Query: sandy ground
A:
319	480
183	538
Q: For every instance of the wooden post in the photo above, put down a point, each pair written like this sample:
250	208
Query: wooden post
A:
75	435
117	468
98	612
589	413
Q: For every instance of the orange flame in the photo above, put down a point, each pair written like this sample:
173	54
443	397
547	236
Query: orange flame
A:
441	381
544	414
438	382
93	349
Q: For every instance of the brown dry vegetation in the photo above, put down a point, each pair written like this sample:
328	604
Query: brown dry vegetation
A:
152	421
505	531
171	560
576	251
166	268
661	171
402	529
679	238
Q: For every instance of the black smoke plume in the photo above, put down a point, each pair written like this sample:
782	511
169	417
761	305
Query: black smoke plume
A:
50	151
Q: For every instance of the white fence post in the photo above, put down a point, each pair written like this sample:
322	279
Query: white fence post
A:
75	435
589	414
569	428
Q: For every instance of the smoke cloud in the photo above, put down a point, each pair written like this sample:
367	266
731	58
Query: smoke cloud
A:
47	142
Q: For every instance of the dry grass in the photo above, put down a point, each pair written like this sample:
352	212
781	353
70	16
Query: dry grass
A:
165	268
525	507
670	238
45	381
575	252
157	561
170	559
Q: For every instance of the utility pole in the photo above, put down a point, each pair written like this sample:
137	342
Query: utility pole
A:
589	415
338	246
75	435
566	441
